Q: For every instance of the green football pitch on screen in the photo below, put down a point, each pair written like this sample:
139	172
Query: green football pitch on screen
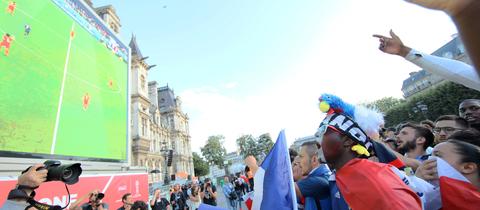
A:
62	92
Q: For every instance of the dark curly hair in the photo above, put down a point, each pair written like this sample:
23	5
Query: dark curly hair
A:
139	205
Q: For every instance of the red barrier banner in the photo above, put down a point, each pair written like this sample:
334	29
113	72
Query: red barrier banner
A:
114	186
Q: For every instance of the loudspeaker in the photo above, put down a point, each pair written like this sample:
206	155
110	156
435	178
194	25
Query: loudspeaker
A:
169	158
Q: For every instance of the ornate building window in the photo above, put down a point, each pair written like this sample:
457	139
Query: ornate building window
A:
151	146
172	123
154	140
182	147
142	82
144	126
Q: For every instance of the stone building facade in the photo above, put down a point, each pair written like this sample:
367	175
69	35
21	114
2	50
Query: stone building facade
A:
176	121
157	122
109	16
298	142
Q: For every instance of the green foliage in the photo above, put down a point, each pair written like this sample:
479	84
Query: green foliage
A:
214	151
247	145
441	100
257	147
200	166
384	104
265	143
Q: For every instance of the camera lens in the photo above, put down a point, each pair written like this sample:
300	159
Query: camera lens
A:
67	173
100	196
70	173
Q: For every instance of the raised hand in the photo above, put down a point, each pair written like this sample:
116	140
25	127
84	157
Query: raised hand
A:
428	170
392	45
32	177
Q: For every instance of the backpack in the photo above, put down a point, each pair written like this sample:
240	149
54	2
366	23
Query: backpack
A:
233	195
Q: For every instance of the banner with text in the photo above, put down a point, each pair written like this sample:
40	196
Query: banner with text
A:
113	186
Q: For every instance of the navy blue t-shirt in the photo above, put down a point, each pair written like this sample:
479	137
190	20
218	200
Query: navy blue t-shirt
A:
315	187
337	200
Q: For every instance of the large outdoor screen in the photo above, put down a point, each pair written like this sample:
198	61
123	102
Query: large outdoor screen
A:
63	83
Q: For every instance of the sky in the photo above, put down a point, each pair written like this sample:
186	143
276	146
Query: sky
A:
259	66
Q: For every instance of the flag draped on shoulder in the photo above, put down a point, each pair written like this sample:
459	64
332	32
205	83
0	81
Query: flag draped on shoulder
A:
456	191
369	185
452	191
274	187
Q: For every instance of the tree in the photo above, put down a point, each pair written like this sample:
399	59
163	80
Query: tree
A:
214	151
247	145
440	100
257	147
265	144
384	104
200	166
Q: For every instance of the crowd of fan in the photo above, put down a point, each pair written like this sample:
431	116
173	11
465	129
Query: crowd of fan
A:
189	196
454	138
338	171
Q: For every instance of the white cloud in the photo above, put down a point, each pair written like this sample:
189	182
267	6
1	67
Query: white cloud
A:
231	85
212	113
344	62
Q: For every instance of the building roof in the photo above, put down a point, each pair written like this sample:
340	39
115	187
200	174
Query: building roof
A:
108	9
166	97
306	138
454	47
134	46
451	50
414	77
232	155
299	141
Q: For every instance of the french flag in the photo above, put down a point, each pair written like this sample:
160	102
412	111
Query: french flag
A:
455	190
274	187
386	156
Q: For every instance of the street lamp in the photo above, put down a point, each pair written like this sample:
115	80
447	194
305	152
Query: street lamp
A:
420	107
225	165
165	152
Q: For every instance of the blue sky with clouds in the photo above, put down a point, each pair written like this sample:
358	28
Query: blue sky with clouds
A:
256	66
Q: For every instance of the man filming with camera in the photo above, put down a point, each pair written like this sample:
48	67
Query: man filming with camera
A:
32	178
94	202
23	195
209	193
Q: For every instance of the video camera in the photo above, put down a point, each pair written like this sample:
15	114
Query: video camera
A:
98	197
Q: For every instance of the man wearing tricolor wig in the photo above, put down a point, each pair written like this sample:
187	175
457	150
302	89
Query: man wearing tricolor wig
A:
364	184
